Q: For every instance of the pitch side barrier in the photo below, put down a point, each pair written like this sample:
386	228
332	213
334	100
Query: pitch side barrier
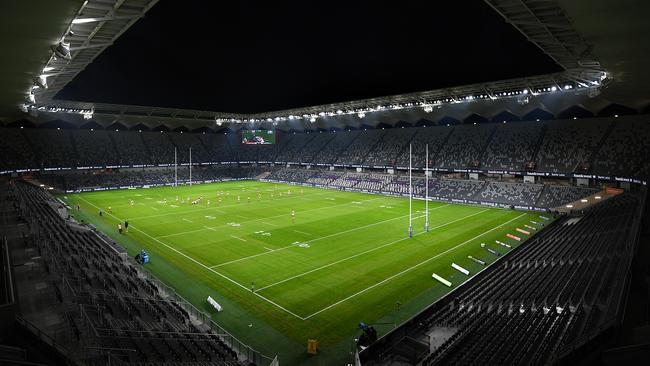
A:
406	328
242	349
95	189
433	198
478	171
439	170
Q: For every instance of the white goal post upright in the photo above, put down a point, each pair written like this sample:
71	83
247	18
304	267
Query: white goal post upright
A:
410	191
426	189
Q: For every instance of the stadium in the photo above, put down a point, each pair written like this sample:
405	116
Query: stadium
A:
344	183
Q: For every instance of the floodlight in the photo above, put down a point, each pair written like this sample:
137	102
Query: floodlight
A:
41	81
62	50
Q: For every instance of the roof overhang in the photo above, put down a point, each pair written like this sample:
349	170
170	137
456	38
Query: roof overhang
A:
544	23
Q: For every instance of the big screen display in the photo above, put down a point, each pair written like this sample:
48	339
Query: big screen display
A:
258	137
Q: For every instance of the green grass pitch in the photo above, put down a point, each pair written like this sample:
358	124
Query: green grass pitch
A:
344	258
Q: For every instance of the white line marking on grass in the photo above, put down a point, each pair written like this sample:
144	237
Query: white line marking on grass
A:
238	238
317	239
268	223
187	220
206	267
153	208
367	251
224	206
409	269
266	249
264	218
243	217
302	232
209	228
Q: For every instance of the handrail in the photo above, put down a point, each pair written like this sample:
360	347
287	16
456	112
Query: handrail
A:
238	346
6	267
46	338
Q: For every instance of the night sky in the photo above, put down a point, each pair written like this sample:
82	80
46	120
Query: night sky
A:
257	56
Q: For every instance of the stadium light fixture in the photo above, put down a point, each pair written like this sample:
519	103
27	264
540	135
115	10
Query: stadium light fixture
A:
312	120
616	116
62	50
41	81
554	88
361	114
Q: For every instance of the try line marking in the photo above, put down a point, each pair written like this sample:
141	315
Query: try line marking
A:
409	269
259	219
317	239
367	251
203	265
211	208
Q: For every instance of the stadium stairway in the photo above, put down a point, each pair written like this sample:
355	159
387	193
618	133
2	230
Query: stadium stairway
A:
549	296
600	144
487	143
76	291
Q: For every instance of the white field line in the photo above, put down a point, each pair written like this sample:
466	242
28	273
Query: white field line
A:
317	239
187	220
302	232
268	223
209	208
153	208
409	269
267	248
206	267
209	228
259	219
238	238
367	251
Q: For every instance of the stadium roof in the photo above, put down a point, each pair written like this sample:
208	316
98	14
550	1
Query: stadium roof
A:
607	60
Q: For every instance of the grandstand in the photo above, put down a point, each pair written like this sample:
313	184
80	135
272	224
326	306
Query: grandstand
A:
479	222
